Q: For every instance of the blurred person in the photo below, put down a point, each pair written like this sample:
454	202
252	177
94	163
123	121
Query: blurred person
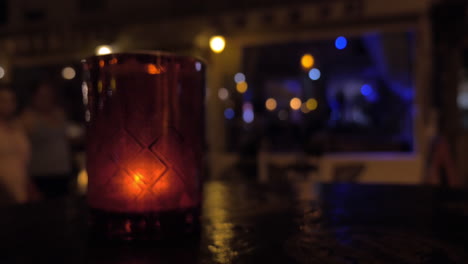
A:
14	152
45	121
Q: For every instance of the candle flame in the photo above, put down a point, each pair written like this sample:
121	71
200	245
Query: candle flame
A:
137	177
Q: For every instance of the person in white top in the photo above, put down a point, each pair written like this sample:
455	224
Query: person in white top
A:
45	122
14	152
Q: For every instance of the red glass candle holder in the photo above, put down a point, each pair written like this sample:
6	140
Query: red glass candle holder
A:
144	147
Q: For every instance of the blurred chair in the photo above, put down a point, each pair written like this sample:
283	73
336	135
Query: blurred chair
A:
372	167
291	162
349	172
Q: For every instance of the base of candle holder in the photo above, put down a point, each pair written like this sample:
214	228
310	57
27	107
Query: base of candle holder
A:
149	226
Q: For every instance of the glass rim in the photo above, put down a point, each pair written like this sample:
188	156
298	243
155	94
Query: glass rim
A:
154	53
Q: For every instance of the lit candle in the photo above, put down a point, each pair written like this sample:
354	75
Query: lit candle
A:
145	131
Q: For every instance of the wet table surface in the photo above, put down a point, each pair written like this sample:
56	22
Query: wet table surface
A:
276	223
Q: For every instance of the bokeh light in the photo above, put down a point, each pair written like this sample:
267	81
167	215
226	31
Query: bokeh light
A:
223	93
198	66
462	100
84	91
307	61
2	72
270	104
239	77
229	113
314	74
217	44
366	90
341	42
242	87
68	73
248	114
103	50
369	93
113	84
312	104
82	181
153	69
100	86
295	103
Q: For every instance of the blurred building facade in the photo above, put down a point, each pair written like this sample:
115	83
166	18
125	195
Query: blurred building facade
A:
52	34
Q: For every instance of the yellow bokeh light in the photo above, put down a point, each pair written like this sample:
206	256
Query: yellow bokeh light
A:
295	103
312	104
99	86
242	87
307	61
103	50
113	84
270	104
82	181
68	73
217	44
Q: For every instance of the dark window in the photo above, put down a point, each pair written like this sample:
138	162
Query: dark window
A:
356	97
92	5
3	12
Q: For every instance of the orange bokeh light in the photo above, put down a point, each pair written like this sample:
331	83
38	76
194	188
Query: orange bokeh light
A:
242	87
307	61
295	103
153	69
270	104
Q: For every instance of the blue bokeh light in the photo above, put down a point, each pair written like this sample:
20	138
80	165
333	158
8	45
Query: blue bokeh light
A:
229	113
341	42
239	77
248	115
366	90
314	74
198	66
369	93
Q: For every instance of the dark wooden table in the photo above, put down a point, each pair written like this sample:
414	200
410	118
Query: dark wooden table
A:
279	223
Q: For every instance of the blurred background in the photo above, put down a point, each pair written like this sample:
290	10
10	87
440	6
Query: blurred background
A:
339	90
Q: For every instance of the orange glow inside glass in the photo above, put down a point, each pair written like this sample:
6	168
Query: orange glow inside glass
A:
145	132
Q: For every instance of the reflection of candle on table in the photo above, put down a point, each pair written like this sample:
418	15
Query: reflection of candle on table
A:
145	134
